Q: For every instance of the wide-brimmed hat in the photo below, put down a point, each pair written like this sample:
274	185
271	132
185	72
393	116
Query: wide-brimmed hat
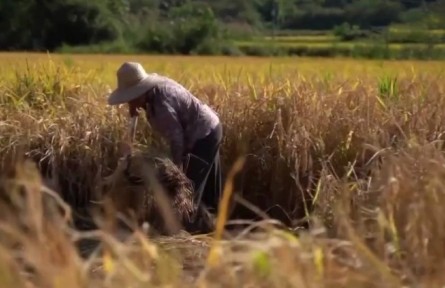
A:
132	82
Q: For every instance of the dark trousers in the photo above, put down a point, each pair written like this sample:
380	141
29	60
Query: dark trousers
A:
204	169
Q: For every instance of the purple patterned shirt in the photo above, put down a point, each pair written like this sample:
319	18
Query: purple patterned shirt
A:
179	116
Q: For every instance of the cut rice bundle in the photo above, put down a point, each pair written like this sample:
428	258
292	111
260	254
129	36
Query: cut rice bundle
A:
133	193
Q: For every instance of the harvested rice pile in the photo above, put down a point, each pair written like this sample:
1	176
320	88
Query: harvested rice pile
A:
146	188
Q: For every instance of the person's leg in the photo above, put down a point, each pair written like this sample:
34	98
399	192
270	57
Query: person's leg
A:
211	193
197	171
201	164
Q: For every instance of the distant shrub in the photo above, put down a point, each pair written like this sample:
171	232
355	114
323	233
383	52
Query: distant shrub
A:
191	29
347	32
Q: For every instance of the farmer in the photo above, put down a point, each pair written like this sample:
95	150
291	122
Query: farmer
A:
192	128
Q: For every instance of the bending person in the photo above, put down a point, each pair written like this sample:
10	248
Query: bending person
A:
192	128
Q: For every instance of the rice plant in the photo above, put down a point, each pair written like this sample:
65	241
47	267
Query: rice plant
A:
352	163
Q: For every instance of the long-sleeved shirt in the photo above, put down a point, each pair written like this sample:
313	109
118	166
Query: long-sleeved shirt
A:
179	116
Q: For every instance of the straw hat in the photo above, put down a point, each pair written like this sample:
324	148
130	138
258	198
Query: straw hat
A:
132	82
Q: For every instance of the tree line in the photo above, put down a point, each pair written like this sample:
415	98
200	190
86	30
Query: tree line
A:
192	26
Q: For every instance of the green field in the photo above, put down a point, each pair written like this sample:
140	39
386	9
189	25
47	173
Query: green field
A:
395	43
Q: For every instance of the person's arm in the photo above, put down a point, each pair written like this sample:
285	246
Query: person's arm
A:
133	125
125	147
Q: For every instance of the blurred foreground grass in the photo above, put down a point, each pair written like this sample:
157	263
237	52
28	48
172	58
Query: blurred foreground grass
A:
353	147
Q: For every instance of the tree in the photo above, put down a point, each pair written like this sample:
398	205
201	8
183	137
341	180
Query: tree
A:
47	24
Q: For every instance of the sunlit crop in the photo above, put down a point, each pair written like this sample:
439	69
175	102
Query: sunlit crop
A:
347	153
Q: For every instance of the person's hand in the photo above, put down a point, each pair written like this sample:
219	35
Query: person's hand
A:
133	110
184	163
124	149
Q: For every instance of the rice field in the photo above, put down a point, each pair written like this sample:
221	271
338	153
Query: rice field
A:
348	153
394	43
338	44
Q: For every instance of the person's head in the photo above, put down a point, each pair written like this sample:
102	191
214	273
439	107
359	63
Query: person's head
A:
132	85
